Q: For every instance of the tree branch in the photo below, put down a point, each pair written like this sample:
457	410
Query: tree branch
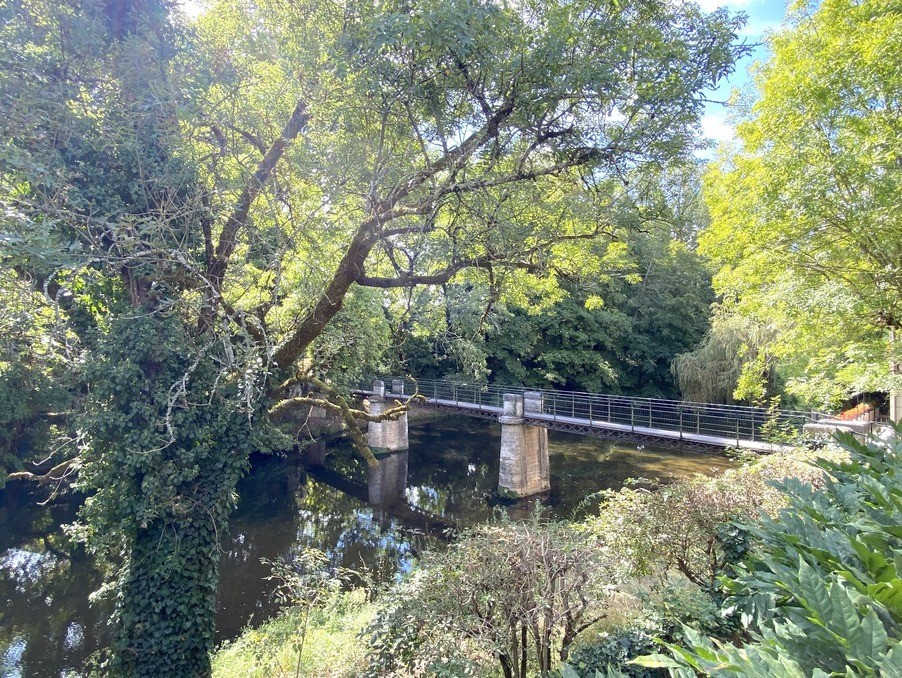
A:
340	407
59	472
238	218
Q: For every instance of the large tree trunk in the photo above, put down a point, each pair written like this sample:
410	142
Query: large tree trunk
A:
166	608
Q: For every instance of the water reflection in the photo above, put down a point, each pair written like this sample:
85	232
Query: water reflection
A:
447	480
47	626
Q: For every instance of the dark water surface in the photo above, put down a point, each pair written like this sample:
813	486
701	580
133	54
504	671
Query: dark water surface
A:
48	628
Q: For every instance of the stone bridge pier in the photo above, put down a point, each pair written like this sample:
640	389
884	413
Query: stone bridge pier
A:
524	468
387	481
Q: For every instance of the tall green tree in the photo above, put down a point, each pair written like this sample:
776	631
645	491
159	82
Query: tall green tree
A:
806	211
198	202
620	325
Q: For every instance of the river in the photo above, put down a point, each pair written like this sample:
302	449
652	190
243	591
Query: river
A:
49	628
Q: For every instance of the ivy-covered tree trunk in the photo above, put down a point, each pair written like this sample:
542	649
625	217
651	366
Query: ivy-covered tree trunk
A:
167	600
162	467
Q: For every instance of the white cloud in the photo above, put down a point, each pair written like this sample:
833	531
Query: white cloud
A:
716	127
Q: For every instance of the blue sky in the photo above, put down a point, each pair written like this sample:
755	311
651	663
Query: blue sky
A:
763	16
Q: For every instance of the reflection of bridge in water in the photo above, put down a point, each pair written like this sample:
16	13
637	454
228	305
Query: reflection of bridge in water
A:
526	415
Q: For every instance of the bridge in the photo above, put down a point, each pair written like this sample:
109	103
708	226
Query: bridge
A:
526	415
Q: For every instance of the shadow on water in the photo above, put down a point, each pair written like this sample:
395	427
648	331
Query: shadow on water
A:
48	628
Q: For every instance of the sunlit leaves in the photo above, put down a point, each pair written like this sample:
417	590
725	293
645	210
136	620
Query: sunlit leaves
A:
805	214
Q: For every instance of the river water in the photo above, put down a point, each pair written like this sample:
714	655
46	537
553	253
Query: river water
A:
49	628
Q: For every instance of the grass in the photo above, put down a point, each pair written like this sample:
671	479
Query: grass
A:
331	647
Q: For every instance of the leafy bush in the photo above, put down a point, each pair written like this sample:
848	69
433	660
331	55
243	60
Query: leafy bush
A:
823	593
687	525
509	594
662	617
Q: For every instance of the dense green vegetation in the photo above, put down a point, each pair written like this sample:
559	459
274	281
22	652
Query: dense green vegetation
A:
821	594
806	227
195	202
207	222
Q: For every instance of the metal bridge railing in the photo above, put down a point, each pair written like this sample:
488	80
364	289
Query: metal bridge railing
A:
734	422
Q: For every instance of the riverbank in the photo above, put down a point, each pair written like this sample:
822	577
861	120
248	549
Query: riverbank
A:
331	647
656	558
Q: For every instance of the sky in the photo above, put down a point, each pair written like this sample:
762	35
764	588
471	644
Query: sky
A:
763	16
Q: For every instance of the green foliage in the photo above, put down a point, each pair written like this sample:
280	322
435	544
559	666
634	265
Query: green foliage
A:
517	594
661	618
611	652
805	222
354	344
687	524
33	377
306	584
160	474
732	364
197	203
334	649
821	594
653	309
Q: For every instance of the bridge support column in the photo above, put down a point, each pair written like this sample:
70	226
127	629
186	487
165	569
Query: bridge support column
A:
387	481
385	436
315	453
524	468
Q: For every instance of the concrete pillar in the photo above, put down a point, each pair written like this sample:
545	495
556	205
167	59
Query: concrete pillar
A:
387	481
524	468
315	453
895	396
385	436
397	386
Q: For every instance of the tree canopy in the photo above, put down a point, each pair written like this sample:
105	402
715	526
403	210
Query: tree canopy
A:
196	202
806	210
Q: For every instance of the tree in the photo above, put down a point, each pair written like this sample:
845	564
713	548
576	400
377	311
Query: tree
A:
199	202
617	327
805	213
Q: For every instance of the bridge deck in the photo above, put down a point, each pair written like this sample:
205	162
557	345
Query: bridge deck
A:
600	426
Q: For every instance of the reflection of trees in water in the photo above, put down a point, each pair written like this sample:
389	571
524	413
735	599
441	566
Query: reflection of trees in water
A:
46	622
353	534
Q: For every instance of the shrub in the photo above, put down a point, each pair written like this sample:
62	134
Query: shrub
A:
513	594
823	593
688	525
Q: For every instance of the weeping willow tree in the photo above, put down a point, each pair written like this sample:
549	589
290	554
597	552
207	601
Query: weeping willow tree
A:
732	364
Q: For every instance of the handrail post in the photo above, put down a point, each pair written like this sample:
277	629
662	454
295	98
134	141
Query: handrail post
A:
681	422
633	415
